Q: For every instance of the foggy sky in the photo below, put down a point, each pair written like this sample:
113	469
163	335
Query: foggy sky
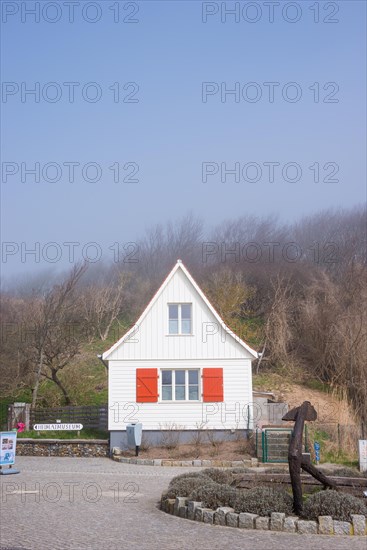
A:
221	118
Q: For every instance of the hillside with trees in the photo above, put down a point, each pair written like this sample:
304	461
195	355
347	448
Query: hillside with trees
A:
296	292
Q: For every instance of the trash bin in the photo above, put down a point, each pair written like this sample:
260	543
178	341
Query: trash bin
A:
134	433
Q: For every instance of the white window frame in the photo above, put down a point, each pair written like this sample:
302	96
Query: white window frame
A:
180	333
186	400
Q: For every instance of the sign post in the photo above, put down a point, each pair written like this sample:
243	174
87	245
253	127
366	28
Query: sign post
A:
362	448
8	443
58	427
316	447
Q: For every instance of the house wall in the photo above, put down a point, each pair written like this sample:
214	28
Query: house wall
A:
158	438
152	341
230	414
268	413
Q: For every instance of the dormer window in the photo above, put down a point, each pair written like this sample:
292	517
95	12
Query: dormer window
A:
179	319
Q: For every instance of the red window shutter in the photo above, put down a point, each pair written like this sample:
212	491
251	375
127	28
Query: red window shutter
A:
212	385
146	385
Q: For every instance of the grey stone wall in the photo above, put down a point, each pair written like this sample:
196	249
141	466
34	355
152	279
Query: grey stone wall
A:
63	447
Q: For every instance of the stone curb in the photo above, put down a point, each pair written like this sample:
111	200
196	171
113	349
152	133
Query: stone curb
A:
253	463
188	509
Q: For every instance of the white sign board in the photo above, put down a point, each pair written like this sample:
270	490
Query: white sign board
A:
58	427
362	447
8	443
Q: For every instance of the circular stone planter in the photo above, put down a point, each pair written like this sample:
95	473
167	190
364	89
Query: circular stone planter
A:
189	509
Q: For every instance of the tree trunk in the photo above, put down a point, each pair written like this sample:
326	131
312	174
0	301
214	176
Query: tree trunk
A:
37	380
261	357
62	387
294	461
363	430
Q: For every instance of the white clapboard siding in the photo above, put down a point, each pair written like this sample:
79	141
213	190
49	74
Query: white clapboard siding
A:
210	345
230	414
150	340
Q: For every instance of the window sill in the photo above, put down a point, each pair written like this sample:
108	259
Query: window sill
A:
180	402
180	335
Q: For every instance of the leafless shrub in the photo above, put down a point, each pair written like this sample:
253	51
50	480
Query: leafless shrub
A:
244	447
170	435
198	435
279	325
212	438
146	443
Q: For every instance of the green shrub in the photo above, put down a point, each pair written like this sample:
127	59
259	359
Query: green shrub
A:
184	486
218	476
186	475
240	470
213	495
332	503
263	501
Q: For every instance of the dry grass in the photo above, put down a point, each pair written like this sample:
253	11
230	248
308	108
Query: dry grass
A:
227	450
339	443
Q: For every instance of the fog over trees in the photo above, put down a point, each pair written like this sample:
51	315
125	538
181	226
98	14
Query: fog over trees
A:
296	291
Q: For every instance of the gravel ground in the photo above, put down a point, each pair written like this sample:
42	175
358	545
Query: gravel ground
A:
97	504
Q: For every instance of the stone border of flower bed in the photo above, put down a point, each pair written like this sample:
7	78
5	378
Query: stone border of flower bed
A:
189	509
253	463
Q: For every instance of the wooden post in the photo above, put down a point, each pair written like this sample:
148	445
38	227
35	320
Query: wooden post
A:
295	460
299	415
310	469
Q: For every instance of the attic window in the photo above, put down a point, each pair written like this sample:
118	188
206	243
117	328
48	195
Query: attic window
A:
179	318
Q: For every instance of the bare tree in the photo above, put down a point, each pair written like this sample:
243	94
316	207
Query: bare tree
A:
278	331
228	293
164	244
60	347
101	305
332	323
15	366
47	315
310	313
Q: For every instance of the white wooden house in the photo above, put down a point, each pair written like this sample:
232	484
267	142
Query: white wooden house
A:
179	367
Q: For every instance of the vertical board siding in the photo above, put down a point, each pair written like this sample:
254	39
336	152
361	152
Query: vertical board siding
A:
152	341
146	385
212	384
229	414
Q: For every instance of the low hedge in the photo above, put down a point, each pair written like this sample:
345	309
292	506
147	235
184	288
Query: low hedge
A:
336	504
183	487
213	495
263	501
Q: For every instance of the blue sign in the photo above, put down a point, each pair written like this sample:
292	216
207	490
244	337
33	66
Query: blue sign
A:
8	443
316	446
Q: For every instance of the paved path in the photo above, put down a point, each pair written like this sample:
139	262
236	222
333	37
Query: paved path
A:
98	504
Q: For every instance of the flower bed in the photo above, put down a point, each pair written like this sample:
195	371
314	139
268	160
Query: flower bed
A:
209	496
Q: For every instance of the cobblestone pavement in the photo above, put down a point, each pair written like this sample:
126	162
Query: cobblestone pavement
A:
98	504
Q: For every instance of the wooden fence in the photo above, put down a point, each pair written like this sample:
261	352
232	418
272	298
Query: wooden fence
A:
3	416
91	416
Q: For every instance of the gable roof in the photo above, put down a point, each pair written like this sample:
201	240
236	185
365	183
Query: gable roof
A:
180	265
